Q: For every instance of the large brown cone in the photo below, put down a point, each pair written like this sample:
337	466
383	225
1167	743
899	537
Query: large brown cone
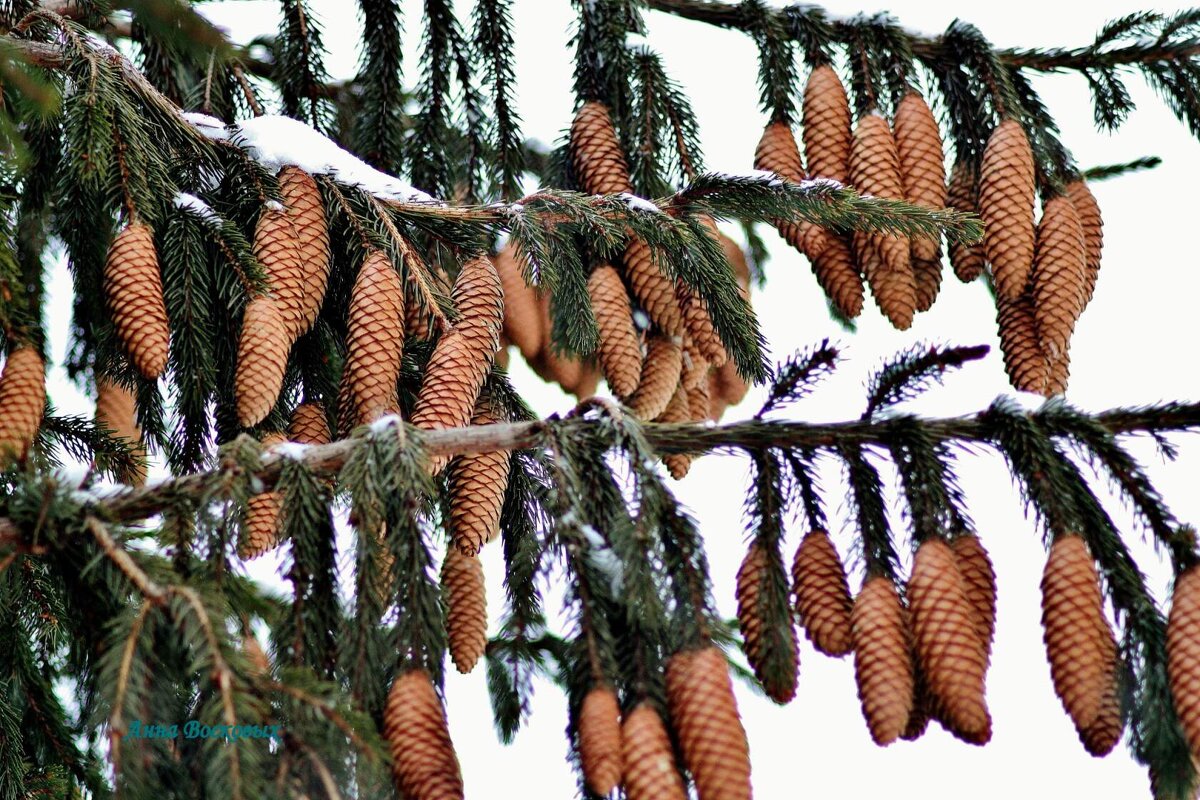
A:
260	524
751	580
826	125
979	582
276	246
882	660
927	278
707	724
678	410
261	360
699	326
1077	636
1183	654
596	154
1059	275
947	642
133	288
967	260
477	483
600	740
1006	184
823	601
22	402
660	377
1093	231
777	152
839	277
650	771
303	201
466	608
479	298
522	315
922	164
620	348
309	424
655	292
1023	358
424	764
116	409
376	337
1104	734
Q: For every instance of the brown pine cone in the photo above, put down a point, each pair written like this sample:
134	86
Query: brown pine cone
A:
695	367
276	246
707	724
375	340
22	402
599	729
116	409
1006	184
654	291
522	315
777	152
826	125
836	272
262	518
882	660
823	602
677	410
717	404
1183	654
699	402
1104	734
345	420
660	377
962	195
1093	231
479	298
466	608
650	771
133	288
751	577
979	582
1059	275
731	386
699	325
922	165
255	656
309	424
418	321
596	153
620	348
261	360
947	642
1077	636
424	764
923	703
1023	357
476	484
1058	373
303	200
927	279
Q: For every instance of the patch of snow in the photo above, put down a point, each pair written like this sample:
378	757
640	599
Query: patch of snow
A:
821	183
98	43
641	320
639	203
275	205
603	558
189	202
757	175
210	127
383	423
294	451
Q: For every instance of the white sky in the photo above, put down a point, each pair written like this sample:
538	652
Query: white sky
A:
1130	348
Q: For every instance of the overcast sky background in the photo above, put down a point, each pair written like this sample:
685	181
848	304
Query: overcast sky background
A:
1134	345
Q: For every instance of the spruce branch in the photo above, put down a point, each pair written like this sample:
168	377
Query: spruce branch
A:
1104	172
911	372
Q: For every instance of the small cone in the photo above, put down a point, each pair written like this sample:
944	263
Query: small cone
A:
823	601
979	583
303	200
707	724
731	385
522	315
923	703
839	277
717	404
1183	654
260	525
276	246
1058	374
600	740
660	377
967	260
751	583
777	152
654	290
620	348
826	125
677	410
1059	275
650	771
1006	184
922	165
1023	358
22	402
1104	734
882	660
418	321
424	764
116	409
309	425
476	484
479	298
133	288
1093	231
596	154
927	277
466	608
376	337
699	402
261	360
699	326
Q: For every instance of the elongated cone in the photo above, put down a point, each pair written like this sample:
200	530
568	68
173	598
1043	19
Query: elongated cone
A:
777	152
967	260
979	582
660	377
620	348
823	601
677	410
276	246
303	200
133	288
1076	633
752	584
923	703
699	325
260	524
375	340
1024	360
650	771
600	740
826	125
1093	231
309	424
698	400
707	724
1058	373
655	292
947	642
1104	734
424	764
466	608
717	404
116	409
479	298
927	279
922	164
261	360
522	316
839	277
1006	184
1059	275
882	660
22	402
732	386
596	153
1183	653
477	483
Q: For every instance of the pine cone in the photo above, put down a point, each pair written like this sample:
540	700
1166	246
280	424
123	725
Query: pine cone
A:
1023	358
699	325
677	410
732	387
133	286
947	642
261	361
927	280
22	402
751	606
1006	184
376	336
276	246
307	209
424	764
882	660
660	377
1104	734
838	276
418	321
522	315
823	601
599	729
466	608
479	298
116	409
476	483
699	402
717	404
1093	231
1059	275
620	349
309	425
1183	653
922	165
1077	636
1058	373
777	152
826	125
655	292
650	771
979	582
596	153
962	195
261	522
923	703
709	728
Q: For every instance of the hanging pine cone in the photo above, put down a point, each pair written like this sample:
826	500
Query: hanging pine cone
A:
660	377
699	325
979	582
777	152
261	521
424	764
476	483
967	260
826	125
596	153
1024	360
752	580
1006	184
922	165
303	200
927	280
823	602
418	321
1058	374
1183	654
22	402
261	360
698	400
1093	231
654	290
947	642
923	703
730	384
707	724
276	247
376	337
599	730
650	771
620	349
479	298
839	277
1059	275
677	410
522	315
882	660
466	608
133	287
309	424
116	409
1104	734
